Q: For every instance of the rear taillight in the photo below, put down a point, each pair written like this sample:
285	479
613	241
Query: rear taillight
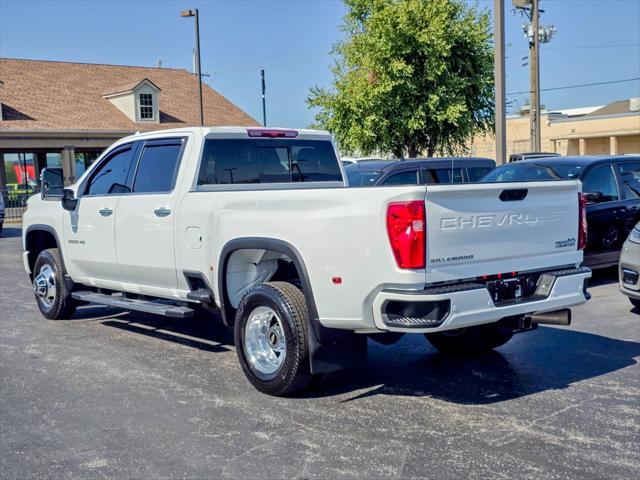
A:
582	221
271	133
406	229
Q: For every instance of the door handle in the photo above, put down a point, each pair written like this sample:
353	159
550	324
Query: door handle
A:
162	212
106	211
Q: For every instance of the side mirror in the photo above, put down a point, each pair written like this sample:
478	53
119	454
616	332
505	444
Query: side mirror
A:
593	197
69	201
51	183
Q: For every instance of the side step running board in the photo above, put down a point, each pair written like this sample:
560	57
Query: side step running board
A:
146	306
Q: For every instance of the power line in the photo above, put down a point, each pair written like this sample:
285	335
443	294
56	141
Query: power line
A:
566	87
571	47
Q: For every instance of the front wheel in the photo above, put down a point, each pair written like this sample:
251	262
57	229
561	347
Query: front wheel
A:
470	340
52	295
271	338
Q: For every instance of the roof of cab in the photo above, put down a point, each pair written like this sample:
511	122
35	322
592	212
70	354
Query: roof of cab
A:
244	130
234	131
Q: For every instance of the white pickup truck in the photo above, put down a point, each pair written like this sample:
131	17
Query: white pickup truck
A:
260	225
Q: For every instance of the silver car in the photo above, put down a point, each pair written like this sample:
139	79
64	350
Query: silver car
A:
629	273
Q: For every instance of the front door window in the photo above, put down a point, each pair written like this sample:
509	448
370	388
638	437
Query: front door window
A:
601	180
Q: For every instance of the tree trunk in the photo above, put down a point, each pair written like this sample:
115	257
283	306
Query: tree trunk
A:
430	151
412	150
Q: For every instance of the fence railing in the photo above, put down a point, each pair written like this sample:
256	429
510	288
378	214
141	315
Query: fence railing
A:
15	203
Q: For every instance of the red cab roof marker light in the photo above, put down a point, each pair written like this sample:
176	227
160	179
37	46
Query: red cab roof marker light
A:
271	133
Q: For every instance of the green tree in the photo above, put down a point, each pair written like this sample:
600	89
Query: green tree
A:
410	77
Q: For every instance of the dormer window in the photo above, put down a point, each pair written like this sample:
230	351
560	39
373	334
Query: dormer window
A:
146	106
137	100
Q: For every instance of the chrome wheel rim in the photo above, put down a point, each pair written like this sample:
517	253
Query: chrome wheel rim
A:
264	341
44	286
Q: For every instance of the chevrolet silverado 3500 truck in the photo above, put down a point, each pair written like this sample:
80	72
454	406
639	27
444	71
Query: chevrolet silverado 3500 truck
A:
260	225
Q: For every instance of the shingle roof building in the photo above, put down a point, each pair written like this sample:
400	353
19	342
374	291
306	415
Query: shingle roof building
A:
39	95
64	114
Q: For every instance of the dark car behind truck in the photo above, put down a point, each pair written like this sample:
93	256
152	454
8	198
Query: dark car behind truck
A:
421	171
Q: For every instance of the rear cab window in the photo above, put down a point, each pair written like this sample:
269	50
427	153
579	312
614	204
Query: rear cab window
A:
267	161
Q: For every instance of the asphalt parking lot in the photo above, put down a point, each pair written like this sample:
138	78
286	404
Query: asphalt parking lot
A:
111	394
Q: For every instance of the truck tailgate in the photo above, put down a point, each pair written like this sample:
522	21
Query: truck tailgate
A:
490	228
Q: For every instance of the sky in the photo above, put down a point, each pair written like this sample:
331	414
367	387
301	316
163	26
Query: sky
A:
596	41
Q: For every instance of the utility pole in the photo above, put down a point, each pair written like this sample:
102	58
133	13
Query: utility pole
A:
536	35
264	102
194	13
534	52
500	102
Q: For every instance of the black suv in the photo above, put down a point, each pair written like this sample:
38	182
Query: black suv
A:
418	171
612	186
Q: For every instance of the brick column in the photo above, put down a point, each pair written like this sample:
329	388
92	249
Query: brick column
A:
613	145
582	146
39	163
69	165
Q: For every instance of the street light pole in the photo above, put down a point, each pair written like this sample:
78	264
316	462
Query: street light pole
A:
264	102
500	99
194	13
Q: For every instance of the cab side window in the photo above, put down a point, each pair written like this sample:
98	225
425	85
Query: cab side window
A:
630	174
443	175
601	180
410	177
158	166
110	178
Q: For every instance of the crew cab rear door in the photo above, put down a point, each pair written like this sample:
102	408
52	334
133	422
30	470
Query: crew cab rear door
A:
145	219
491	228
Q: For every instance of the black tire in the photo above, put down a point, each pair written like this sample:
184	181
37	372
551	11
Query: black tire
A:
470	340
635	302
289	304
59	305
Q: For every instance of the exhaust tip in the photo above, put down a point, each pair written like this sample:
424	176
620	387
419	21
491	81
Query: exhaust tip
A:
557	317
